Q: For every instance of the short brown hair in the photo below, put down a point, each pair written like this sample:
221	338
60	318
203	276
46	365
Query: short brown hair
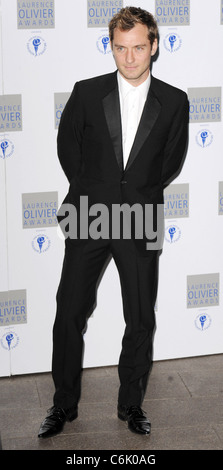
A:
128	17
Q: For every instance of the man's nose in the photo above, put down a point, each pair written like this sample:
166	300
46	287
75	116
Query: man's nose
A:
129	56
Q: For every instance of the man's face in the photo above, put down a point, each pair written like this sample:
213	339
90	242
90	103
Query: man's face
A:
132	52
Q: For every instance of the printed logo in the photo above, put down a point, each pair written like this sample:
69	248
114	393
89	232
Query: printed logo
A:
60	100
103	44
172	233
220	198
39	209
10	113
13	309
6	148
9	341
114	222
172	42
204	138
203	290
202	321
41	243
176	201
100	13
205	104
35	14
172	13
36	46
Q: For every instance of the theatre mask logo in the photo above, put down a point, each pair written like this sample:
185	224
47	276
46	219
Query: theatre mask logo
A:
103	44
172	13
10	113
60	100
172	42
6	147
36	46
9	340
172	233
41	243
39	210
203	321
13	308
203	290
204	138
220	198
205	104
99	13
35	14
176	201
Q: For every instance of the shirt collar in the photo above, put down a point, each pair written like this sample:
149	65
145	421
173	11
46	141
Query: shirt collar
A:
125	87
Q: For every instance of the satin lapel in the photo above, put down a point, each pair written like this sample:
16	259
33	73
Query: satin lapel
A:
149	116
111	106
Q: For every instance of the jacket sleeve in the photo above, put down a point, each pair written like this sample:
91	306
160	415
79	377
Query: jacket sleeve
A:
69	138
176	145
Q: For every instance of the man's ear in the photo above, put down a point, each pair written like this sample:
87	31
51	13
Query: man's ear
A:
154	47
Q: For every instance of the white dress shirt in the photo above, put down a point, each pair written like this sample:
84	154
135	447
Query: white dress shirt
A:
132	101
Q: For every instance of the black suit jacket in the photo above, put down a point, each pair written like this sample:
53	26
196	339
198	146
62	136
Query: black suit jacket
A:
90	143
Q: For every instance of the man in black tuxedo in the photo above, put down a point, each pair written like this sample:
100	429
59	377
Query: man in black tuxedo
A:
122	139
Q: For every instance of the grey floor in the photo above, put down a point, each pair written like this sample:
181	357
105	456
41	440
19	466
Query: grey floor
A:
184	401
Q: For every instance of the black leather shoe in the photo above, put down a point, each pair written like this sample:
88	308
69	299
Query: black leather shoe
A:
136	417
55	420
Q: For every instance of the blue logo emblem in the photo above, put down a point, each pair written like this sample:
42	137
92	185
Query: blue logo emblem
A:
172	42
204	138
41	243
9	341
6	148
36	46
172	233
203	321
103	44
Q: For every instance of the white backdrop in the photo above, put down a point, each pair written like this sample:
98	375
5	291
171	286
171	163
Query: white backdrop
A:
46	46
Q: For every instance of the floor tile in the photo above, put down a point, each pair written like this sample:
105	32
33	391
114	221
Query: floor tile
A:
184	401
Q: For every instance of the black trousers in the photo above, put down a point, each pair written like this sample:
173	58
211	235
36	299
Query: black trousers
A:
83	264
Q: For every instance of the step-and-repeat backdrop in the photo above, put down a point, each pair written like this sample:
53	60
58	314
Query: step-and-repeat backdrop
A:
46	46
